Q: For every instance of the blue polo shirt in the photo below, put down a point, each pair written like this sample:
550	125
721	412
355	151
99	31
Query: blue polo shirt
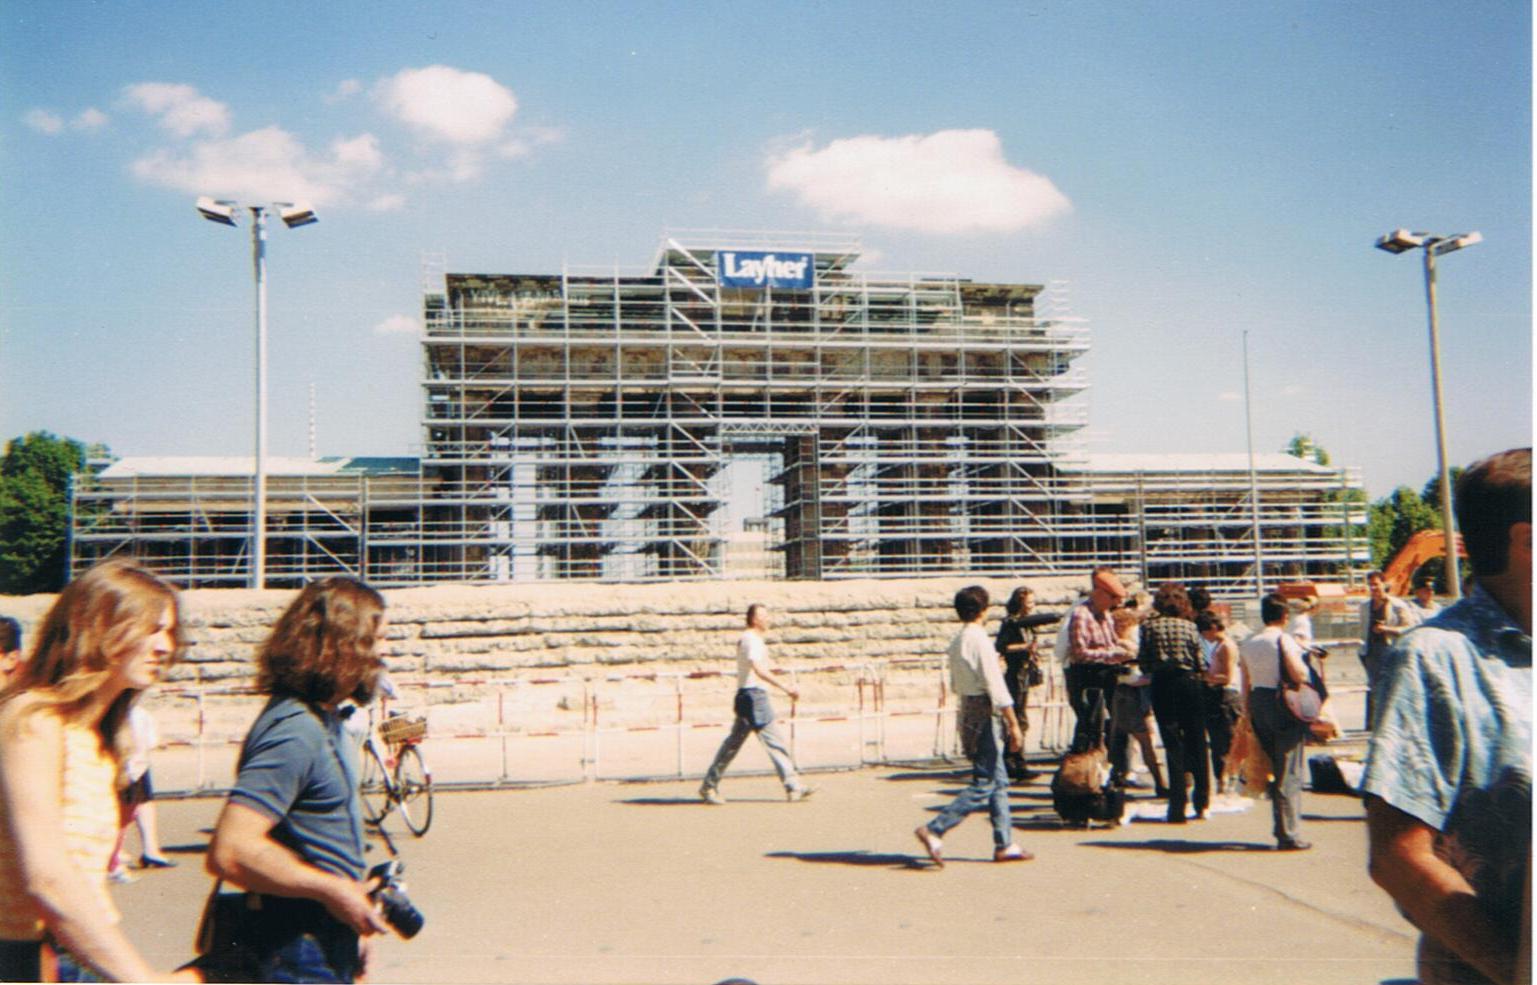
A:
297	768
1453	748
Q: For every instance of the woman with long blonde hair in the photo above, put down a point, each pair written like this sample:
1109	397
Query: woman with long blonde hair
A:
110	635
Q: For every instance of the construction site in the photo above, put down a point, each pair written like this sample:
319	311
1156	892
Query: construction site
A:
747	405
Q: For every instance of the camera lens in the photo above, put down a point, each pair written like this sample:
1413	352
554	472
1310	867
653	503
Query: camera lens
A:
401	913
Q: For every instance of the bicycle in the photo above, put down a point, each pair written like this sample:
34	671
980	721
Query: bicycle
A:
396	774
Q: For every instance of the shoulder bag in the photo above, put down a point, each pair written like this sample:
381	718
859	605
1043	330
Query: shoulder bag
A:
226	937
1303	701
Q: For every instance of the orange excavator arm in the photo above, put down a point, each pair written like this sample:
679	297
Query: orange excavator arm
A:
1427	545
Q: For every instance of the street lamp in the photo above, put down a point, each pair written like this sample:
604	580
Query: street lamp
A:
294	215
1401	241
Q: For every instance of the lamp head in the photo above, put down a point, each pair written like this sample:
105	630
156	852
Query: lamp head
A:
218	210
296	214
1452	244
1401	240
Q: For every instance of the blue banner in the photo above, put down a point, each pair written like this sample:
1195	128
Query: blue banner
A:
756	269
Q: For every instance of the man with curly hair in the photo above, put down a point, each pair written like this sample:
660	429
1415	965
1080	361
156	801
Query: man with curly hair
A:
291	833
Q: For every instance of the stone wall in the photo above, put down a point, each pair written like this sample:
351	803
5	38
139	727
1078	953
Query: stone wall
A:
466	652
508	631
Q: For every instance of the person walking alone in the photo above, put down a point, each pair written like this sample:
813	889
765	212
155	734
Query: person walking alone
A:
986	720
754	713
1266	655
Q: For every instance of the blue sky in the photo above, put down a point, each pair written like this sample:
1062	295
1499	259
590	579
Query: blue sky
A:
1192	170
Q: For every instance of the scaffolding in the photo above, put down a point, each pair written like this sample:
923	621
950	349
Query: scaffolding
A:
191	519
583	425
607	424
1192	519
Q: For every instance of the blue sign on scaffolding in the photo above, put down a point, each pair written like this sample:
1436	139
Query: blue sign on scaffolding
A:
756	269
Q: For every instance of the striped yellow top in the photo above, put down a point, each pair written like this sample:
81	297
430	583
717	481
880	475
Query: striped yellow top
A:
88	804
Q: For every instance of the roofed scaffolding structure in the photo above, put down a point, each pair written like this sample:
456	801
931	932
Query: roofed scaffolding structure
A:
637	425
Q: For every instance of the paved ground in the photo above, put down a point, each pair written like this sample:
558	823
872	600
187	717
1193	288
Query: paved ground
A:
643	883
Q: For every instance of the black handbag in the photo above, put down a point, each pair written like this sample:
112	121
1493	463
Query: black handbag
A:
226	937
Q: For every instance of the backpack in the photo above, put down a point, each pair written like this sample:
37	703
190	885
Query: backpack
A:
1081	791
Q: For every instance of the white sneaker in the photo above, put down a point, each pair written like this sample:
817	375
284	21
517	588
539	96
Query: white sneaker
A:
710	795
121	876
798	793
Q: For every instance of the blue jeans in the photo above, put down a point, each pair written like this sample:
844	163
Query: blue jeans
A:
310	958
989	786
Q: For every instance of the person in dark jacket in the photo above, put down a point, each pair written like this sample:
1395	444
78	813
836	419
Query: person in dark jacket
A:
1170	652
1016	643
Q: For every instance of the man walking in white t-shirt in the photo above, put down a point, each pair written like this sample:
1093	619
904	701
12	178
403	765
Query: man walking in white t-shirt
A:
754	713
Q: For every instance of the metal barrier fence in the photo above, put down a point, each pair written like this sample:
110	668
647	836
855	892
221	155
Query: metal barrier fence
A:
627	726
570	728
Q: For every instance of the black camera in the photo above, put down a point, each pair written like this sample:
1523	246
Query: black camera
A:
397	907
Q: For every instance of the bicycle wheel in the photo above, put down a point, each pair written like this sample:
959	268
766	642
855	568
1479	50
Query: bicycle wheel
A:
413	784
374	787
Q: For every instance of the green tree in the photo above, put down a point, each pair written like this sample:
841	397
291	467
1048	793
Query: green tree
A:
35	473
1394	519
1302	446
1431	493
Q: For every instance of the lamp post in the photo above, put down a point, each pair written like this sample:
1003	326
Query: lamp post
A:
1401	241
1248	423
227	213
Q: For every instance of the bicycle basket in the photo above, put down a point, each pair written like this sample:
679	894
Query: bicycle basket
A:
402	729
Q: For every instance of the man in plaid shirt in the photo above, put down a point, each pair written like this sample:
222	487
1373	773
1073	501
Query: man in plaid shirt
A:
1095	654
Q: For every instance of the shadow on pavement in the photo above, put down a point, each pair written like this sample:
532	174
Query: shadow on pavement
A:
860	857
188	849
1359	818
1184	847
931	775
695	801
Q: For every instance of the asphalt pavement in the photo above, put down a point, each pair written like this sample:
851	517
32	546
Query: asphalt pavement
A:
611	882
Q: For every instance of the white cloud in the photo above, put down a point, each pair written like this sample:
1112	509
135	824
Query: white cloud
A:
181	108
90	118
266	164
448	104
43	121
951	181
1230	395
1293	390
398	325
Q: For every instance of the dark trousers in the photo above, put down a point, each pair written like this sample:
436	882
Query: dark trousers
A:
1282	738
1177	705
1222	706
1084	681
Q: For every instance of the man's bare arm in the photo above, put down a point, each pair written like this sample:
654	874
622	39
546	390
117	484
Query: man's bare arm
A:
1434	896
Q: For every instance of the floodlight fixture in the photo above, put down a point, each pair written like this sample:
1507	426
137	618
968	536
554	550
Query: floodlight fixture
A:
218	210
1452	244
1401	241
295	214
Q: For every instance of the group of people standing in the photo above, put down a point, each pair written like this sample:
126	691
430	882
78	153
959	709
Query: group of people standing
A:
289	839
